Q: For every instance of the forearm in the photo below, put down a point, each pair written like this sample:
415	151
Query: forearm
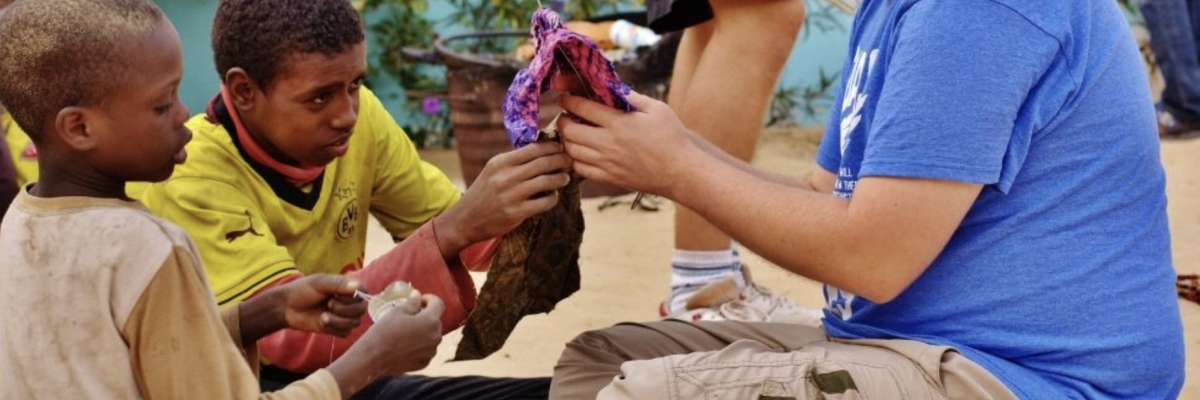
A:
344	372
454	246
306	352
743	166
451	238
259	316
417	260
812	234
303	351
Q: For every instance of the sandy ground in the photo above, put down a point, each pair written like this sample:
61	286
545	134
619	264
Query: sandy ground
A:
625	255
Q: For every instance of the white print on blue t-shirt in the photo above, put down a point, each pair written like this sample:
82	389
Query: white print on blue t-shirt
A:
856	93
840	302
852	106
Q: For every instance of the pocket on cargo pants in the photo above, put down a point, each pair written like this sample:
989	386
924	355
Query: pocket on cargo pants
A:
750	370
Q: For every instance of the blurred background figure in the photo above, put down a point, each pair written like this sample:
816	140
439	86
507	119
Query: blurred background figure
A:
1174	27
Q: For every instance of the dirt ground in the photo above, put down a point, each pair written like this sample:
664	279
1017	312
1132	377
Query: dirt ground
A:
625	255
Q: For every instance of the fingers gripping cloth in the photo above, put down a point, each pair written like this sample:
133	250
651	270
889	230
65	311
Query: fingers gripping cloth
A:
559	52
537	264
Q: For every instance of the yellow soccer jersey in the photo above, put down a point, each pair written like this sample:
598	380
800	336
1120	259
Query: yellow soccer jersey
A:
252	227
21	149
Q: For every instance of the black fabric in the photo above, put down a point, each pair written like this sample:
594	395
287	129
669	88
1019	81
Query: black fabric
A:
272	378
419	387
256	285
676	15
279	184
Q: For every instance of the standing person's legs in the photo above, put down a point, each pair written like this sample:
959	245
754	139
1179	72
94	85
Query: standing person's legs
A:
687	58
679	360
725	72
1173	36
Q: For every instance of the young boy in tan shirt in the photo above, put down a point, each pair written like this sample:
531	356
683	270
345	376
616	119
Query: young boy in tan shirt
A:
103	299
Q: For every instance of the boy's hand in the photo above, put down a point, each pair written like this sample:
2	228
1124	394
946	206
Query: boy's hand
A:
410	334
511	188
645	150
403	341
322	303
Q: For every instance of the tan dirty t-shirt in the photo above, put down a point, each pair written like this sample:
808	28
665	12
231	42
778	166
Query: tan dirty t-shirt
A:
103	300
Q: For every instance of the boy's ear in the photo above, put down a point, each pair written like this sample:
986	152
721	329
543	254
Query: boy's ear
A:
71	128
243	90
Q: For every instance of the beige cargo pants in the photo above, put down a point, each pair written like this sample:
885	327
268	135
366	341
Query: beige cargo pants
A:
760	361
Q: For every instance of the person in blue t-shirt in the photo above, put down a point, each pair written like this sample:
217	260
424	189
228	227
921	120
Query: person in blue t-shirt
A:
989	220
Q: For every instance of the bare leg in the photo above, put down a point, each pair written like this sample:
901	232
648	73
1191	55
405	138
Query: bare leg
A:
687	58
725	96
725	72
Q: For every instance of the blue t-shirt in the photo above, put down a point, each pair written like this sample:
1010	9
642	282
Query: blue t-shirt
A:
1059	280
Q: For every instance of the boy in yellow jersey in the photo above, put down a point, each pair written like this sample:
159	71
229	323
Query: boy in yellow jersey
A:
294	153
8	174
103	300
20	150
9	181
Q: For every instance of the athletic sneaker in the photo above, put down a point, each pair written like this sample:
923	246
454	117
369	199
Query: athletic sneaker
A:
723	300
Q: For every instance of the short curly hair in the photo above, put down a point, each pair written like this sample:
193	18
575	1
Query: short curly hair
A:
62	53
258	35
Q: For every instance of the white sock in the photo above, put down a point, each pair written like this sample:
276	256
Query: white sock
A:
691	270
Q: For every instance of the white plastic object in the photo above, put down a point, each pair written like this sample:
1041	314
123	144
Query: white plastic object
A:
394	295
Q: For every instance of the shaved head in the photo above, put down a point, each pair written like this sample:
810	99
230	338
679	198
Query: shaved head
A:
63	53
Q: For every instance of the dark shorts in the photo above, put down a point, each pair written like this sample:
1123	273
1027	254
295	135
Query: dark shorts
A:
675	15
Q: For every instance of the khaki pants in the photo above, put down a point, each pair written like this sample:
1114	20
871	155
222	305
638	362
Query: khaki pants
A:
763	361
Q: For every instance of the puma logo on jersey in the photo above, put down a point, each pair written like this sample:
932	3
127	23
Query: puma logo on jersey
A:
231	236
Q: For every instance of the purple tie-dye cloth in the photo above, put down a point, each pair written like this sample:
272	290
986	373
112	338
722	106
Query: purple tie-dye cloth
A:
537	264
559	51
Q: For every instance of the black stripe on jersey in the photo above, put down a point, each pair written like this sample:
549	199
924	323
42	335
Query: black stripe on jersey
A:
279	184
256	285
